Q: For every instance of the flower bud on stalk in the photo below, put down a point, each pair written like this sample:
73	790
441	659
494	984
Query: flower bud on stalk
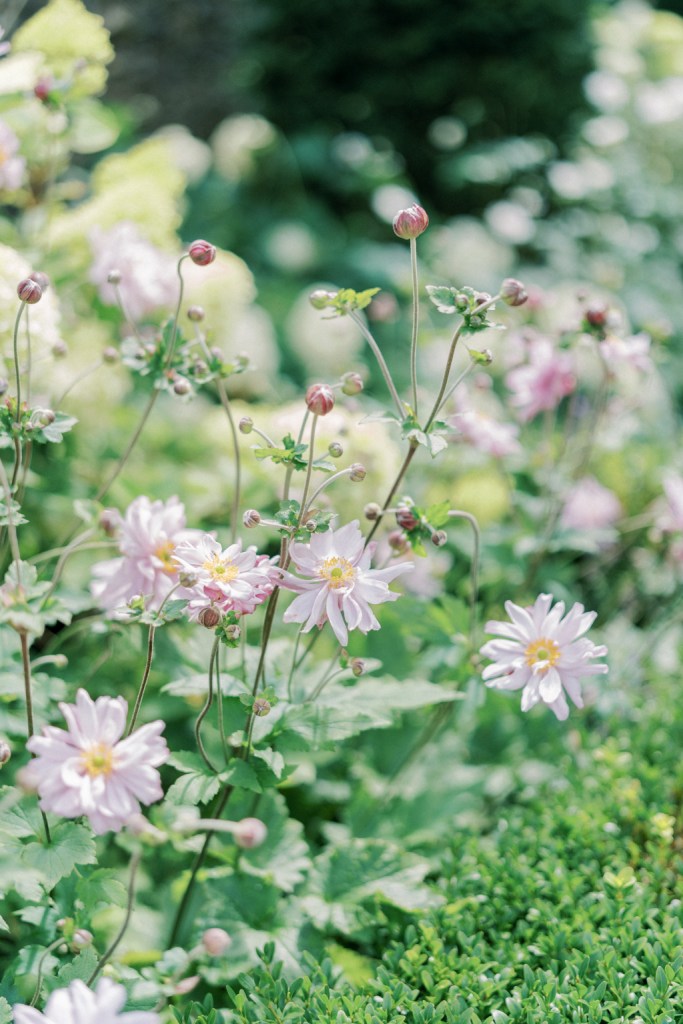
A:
182	386
357	667
261	707
335	450
195	314
5	752
114	276
233	631
411	223
246	425
398	542
41	279
439	538
209	617
406	518
215	941
249	833
185	985
320	399
81	939
60	349
358	473
187	579
352	383
372	511
251	518
320	298
29	291
110	354
512	292
202	253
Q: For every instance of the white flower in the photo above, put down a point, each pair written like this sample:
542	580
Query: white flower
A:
78	1005
543	652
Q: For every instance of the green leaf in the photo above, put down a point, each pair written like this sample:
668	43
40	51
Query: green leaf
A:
71	844
6	1015
196	785
81	967
101	886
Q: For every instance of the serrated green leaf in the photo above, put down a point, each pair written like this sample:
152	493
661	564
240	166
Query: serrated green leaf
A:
102	886
81	967
71	844
6	1015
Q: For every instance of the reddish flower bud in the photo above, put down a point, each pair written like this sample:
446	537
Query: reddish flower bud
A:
439	538
215	941
320	399
398	542
29	291
358	473
352	383
5	752
261	707
41	279
185	985
250	832
110	520
202	253
81	938
357	667
512	292
406	518
411	222
251	518
195	313
209	617
597	316
43	88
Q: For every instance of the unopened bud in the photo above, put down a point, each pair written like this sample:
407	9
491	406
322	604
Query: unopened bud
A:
29	291
199	368
60	349
481	298
110	520
209	617
43	417
357	666
398	542
411	223
114	276
483	357
251	518
512	292
110	354
596	316
41	279
320	399
372	511
188	579
352	383
358	473
249	833
335	450
261	707
81	939
195	314
439	538
215	941
406	518
182	386
202	253
311	526
233	631
43	88
246	425
5	752
320	298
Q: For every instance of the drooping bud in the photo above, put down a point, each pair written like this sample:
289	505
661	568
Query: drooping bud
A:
352	383
249	833
261	707
43	417
209	617
398	542
439	538
110	520
406	518
182	386
246	425
320	399
202	253
81	939
110	354
411	223
60	349
29	291
233	631
320	298
372	511
195	314
5	752
114	276
358	473
251	518
335	450
215	941
357	667
512	292
41	279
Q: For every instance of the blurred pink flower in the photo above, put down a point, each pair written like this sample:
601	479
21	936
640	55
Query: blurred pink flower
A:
633	351
148	535
671	520
341	586
543	381
147	275
78	1005
12	166
88	769
590	506
486	434
542	653
230	579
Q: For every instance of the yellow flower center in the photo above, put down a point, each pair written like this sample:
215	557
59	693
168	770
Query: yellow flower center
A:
98	760
165	555
337	571
220	570
542	654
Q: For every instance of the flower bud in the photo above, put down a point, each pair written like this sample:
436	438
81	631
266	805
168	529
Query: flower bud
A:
41	279
215	941
398	542
372	511
483	357
29	291
209	617
60	349
512	292
195	314
110	520
246	425
43	88
249	833
320	298
352	383
80	939
43	417
182	386
114	276
261	707
311	526
411	222
5	752
596	316
406	518
251	518
233	631
358	473
357	666
202	253
110	354
187	579
320	399
439	538
335	450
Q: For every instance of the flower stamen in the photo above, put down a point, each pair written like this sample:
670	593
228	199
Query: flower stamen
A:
337	571
542	654
220	570
98	760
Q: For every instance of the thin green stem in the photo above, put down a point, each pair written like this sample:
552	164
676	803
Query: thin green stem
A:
290	467
41	964
66	552
416	313
474	577
148	662
135	861
326	483
205	710
327	675
309	469
17	369
221	723
146	412
293	665
358	320
394	487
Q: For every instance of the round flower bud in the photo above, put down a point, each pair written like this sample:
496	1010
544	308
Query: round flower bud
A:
202	253
187	579
182	386
512	292
110	520
114	276
246	425
29	291
249	833
372	511
110	354
357	473
251	518
596	316
320	298
5	752
233	631
199	368
60	349
406	518
43	88
43	417
411	222
320	399
335	450
261	707
81	938
41	279
311	526
215	941
439	538
352	383
209	617
357	667
398	542
195	314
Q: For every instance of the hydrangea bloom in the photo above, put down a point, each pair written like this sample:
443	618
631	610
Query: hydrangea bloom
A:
590	506
543	652
543	381
148	535
340	586
148	279
230	579
88	769
78	1005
